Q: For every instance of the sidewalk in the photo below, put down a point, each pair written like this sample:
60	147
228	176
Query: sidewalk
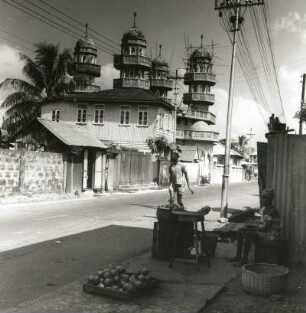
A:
182	289
47	277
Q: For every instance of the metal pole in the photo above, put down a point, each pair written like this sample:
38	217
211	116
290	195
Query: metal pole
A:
302	104
225	177
175	106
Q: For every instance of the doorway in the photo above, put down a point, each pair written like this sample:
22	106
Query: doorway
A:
88	168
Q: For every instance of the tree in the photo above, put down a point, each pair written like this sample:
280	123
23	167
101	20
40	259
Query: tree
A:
242	143
301	114
46	80
159	145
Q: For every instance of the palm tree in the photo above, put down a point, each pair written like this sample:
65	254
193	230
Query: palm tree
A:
242	143
46	79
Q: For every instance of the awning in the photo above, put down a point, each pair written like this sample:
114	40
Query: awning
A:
73	135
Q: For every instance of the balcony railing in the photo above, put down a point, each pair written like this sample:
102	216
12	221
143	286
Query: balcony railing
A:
121	60
88	68
193	135
132	83
85	88
164	83
197	97
208	117
199	77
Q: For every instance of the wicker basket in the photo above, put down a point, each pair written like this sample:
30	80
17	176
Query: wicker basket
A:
264	279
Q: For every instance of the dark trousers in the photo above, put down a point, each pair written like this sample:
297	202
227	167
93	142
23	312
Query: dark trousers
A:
245	239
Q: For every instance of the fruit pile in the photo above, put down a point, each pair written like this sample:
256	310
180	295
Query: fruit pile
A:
116	278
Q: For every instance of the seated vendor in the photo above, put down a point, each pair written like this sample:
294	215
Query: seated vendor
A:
267	229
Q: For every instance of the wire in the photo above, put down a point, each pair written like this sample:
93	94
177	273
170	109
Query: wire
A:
65	21
78	22
16	43
53	24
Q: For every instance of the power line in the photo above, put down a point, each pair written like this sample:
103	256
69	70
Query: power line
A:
65	21
53	24
78	22
105	49
17	37
16	43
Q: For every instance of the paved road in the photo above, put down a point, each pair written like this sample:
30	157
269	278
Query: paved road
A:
26	224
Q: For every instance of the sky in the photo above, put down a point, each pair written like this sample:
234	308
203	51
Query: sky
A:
170	23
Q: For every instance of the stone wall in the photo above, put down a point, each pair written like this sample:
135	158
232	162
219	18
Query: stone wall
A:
9	171
23	172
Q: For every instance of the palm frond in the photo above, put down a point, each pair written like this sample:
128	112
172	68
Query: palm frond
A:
25	107
18	119
46	59
33	72
15	98
20	85
64	63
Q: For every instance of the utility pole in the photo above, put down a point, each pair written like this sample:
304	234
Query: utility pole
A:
175	104
250	137
233	25
176	78
302	104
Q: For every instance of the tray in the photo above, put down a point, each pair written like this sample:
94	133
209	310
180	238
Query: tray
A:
116	294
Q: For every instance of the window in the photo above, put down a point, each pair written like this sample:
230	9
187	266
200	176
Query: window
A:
124	115
161	121
55	115
81	116
169	122
99	115
143	116
166	122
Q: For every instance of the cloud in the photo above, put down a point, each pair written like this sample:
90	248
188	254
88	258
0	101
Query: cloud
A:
11	67
290	83
246	115
108	73
292	23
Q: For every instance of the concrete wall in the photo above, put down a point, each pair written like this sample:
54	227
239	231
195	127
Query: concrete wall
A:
193	170
23	172
236	174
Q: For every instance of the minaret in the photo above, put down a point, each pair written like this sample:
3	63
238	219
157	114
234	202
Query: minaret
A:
85	67
160	81
133	63
200	78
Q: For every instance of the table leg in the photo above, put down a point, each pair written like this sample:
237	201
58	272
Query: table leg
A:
177	231
197	245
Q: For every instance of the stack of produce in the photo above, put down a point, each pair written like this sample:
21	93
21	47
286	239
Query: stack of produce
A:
116	278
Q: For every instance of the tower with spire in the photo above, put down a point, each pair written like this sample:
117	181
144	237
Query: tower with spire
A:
133	64
160	80
194	119
85	67
199	78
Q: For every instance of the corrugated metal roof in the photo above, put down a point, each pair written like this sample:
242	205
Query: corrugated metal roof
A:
73	135
119	95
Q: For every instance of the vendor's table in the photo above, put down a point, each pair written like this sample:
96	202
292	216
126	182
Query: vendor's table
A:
193	218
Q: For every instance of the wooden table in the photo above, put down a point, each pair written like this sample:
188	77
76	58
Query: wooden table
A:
194	218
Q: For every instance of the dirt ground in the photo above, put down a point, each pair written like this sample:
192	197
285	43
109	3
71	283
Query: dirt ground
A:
233	299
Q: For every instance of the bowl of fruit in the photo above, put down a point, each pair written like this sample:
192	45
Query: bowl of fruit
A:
116	282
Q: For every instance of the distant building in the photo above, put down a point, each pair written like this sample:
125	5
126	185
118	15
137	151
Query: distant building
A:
103	134
194	119
236	161
160	82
